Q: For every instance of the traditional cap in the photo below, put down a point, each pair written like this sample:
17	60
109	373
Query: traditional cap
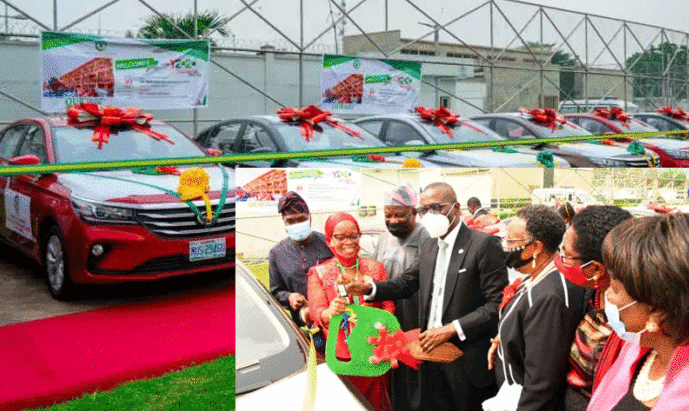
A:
292	203
403	195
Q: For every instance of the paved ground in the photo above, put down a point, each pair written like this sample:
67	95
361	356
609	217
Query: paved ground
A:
24	295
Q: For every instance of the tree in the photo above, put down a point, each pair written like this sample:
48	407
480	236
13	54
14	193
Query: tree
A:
159	27
660	71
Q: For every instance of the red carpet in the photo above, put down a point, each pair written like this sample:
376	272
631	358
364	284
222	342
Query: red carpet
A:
59	358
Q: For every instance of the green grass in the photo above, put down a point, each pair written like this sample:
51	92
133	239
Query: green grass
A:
204	387
261	272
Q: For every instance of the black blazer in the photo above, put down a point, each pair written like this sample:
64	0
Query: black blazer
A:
536	332
476	277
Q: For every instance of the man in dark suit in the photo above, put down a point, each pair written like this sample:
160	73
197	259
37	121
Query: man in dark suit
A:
460	279
474	207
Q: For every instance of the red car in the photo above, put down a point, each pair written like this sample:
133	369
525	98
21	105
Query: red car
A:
672	152
110	226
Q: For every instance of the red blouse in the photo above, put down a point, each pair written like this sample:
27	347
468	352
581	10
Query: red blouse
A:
321	287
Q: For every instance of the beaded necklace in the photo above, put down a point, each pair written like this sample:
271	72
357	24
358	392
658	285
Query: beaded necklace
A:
356	275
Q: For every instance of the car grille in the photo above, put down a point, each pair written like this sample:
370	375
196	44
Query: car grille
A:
182	221
637	162
172	263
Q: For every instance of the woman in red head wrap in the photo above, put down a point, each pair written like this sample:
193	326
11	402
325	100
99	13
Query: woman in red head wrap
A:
342	234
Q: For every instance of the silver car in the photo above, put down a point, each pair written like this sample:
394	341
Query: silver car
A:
272	355
410	129
517	126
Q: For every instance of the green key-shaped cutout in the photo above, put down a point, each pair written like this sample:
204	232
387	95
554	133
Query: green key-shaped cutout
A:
360	350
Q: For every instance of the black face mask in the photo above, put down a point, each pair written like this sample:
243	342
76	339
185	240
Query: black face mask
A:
400	230
514	257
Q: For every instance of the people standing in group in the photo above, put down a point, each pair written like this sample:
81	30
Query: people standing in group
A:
290	259
342	235
647	305
398	249
538	315
460	277
581	262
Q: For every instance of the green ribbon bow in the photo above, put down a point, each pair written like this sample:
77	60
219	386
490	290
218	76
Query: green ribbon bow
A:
545	157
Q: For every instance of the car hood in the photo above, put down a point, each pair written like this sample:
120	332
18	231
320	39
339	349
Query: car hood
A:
595	150
488	158
125	186
666	143
288	394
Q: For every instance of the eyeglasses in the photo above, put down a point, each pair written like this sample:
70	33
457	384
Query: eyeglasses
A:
436	208
563	257
351	237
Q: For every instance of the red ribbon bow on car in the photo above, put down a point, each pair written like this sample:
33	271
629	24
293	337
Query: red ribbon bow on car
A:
546	117
614	113
442	118
308	117
107	117
394	347
678	114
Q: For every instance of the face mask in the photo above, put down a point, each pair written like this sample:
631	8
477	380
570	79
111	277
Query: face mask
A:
299	231
400	230
613	314
514	257
436	224
575	274
345	261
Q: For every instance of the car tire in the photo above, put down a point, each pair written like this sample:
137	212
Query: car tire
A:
55	260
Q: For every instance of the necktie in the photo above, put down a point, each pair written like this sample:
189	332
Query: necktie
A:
435	318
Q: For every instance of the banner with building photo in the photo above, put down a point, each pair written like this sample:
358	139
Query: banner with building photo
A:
353	85
123	72
323	189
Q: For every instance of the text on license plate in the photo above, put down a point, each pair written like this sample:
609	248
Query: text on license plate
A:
206	249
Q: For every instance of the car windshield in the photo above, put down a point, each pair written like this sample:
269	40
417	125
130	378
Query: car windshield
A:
74	145
460	133
635	126
327	139
267	348
564	130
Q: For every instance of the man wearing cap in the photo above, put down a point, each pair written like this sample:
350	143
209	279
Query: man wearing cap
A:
398	250
292	257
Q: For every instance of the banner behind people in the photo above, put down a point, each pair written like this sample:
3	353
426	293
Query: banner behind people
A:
353	85
122	72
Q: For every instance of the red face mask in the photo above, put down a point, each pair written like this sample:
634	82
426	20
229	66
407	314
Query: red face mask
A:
575	274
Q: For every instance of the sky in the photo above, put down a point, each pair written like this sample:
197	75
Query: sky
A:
249	31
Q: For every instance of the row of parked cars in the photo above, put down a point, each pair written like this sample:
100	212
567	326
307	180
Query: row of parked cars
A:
266	134
84	227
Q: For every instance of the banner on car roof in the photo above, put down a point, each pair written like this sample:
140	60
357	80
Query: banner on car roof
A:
353	85
122	72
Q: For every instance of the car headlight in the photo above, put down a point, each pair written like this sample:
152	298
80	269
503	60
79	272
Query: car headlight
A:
97	213
678	154
606	162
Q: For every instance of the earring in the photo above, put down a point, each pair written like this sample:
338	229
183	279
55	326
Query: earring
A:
652	326
595	284
533	264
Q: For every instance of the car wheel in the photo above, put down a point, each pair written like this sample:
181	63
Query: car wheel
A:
55	262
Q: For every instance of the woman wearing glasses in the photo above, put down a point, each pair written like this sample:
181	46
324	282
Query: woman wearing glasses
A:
537	318
581	262
342	235
647	304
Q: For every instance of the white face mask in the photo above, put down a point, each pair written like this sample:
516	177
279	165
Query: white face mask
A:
436	224
299	231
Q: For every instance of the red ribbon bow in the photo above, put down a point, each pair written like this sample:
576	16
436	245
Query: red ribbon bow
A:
678	114
443	118
484	223
509	292
546	117
394	347
308	117
659	208
614	113
108	116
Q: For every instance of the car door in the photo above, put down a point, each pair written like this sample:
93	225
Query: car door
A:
12	205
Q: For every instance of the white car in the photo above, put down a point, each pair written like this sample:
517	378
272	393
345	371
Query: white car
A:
272	355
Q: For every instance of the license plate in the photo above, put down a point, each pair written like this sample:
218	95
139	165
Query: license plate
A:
207	249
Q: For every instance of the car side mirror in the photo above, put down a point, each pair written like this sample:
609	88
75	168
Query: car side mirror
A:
27	160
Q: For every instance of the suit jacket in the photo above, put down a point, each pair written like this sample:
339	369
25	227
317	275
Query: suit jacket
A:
480	212
476	277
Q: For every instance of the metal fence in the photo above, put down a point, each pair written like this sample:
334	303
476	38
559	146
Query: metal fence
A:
498	55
